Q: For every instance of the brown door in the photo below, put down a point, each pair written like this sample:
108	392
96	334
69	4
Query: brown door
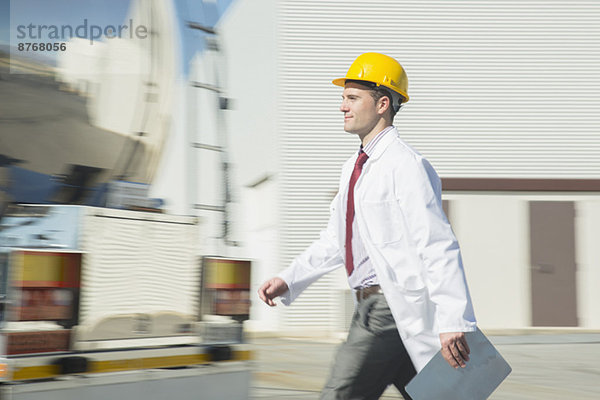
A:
553	289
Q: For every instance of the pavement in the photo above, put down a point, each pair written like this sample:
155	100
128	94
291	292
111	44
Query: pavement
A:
548	366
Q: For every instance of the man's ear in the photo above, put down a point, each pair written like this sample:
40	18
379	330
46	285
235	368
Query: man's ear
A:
383	104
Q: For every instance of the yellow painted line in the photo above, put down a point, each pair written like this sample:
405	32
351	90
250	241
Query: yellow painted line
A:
242	355
175	361
148	363
35	372
49	371
115	365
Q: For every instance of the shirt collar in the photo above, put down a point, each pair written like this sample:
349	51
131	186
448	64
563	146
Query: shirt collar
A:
370	147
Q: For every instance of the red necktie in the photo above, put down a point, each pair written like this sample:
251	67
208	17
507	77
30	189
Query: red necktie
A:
360	161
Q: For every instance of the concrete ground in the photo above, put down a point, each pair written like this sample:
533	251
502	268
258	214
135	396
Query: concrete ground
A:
545	366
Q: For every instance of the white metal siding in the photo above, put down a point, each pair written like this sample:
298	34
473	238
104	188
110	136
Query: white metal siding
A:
498	89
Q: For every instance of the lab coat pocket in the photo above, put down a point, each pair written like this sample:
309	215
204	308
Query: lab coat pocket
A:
383	220
416	312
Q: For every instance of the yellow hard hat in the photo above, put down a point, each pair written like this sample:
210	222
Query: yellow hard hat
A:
380	69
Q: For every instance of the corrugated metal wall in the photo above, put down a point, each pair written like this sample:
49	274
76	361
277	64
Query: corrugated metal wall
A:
498	89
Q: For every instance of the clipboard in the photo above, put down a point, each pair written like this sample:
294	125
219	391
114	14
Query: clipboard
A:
483	373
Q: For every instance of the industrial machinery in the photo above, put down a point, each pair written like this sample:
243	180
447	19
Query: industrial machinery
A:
103	303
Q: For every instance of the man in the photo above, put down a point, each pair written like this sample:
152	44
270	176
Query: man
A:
388	229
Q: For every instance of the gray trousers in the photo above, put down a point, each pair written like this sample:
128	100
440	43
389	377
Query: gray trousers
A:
372	358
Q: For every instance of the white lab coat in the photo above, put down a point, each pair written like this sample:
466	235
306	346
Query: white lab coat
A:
406	234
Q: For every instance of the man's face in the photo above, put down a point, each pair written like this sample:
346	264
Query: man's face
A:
359	108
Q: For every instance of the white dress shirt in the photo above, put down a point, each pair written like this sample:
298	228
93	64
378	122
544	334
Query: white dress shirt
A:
364	274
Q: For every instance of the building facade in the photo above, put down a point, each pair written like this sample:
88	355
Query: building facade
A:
504	100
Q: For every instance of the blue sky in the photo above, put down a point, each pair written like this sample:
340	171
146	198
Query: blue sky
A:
4	21
108	12
203	12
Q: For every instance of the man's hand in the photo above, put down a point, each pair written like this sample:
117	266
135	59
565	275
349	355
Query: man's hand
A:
272	288
455	348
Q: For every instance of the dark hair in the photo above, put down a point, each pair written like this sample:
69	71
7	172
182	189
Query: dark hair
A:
378	91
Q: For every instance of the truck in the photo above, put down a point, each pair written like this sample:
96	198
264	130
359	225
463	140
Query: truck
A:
107	303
